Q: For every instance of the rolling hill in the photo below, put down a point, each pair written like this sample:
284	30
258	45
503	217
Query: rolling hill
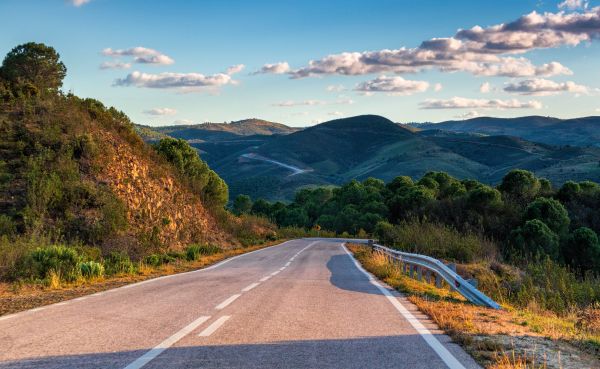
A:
373	146
575	132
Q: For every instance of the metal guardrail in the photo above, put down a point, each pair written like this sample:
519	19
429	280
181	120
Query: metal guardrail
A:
423	267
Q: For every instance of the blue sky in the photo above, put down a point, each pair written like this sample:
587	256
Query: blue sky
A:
543	63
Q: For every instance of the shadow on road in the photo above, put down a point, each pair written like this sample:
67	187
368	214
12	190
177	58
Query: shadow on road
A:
344	275
402	351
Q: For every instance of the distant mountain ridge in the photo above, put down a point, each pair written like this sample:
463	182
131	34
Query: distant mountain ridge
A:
583	131
219	131
364	146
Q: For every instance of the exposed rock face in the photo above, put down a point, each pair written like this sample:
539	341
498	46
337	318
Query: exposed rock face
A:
159	207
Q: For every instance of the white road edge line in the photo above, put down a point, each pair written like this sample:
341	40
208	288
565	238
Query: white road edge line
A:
433	342
214	326
148	356
249	287
225	303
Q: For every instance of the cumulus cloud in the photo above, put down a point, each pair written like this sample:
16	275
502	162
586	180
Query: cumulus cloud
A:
78	3
115	65
276	68
184	122
392	85
160	111
184	81
335	88
292	103
573	4
437	87
235	69
481	51
466	103
142	55
485	88
542	87
468	115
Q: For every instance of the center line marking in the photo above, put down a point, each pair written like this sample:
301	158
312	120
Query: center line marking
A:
248	288
214	326
288	263
282	268
148	356
275	273
224	304
264	278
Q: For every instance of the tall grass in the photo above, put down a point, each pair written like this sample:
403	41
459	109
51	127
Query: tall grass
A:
437	240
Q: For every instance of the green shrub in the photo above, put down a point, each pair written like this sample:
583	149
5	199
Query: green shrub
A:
534	238
118	263
193	252
159	259
7	226
91	269
62	260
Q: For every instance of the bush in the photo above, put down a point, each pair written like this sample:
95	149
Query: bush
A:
551	212
118	263
193	252
91	269
61	260
7	226
534	238
157	260
583	250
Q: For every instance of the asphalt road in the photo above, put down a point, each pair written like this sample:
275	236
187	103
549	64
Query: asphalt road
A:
301	304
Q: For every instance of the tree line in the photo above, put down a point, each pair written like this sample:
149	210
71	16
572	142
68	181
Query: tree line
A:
525	215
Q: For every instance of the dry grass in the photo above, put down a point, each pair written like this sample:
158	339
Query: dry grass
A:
15	297
500	339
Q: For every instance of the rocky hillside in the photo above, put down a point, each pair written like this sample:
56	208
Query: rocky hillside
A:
75	171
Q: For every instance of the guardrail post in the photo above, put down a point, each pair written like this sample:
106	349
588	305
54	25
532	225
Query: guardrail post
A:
473	282
452	266
427	276
438	281
419	273
370	243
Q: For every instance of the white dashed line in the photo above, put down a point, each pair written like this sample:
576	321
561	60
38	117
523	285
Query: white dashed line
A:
225	303
288	263
214	326
148	356
248	288
263	279
275	273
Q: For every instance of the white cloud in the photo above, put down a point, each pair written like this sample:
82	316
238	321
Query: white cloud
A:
336	113
466	103
184	122
142	55
468	115
485	88
573	4
235	69
115	65
335	88
481	51
437	87
392	85
160	111
276	68
184	81
78	3
292	103
543	87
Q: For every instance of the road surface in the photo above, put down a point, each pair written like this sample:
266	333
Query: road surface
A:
301	304
295	170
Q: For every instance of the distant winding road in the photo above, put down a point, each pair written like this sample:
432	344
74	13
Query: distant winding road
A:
295	170
302	304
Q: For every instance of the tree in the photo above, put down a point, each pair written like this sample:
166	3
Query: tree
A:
534	238
262	207
242	205
551	212
35	64
583	250
520	185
